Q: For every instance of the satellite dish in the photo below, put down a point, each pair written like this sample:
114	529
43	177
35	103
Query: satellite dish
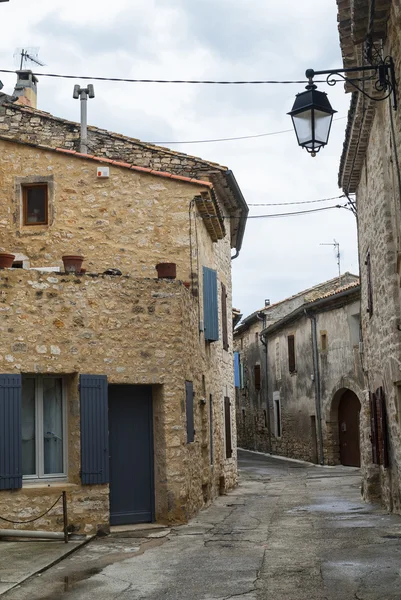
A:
26	57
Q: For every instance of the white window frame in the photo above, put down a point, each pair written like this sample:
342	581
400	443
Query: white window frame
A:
39	447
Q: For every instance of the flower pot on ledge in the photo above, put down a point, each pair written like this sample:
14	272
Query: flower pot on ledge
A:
72	263
166	270
6	260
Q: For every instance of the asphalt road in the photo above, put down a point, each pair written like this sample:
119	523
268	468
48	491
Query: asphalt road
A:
288	532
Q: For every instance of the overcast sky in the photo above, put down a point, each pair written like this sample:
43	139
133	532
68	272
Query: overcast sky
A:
214	39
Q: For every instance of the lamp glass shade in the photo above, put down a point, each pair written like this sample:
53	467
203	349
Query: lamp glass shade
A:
322	126
312	115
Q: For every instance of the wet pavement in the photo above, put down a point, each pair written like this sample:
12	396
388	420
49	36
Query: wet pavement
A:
290	531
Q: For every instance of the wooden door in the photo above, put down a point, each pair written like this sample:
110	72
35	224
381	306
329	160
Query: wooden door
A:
348	422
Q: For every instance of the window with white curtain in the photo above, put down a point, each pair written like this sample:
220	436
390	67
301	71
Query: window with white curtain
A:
43	427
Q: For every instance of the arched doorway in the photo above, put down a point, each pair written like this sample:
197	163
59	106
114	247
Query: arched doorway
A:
348	429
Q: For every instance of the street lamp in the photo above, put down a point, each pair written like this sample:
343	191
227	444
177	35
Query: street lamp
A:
312	113
311	116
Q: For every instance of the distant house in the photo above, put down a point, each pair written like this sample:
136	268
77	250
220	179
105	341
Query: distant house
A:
116	385
299	389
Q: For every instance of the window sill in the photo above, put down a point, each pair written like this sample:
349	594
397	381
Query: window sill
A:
45	484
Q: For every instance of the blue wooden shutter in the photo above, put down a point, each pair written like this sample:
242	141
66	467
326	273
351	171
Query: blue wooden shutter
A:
210	305
236	370
189	402
94	429
10	432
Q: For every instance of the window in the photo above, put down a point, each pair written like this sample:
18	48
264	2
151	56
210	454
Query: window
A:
227	424
265	418
291	353
35	204
43	427
257	338
369	284
323	341
277	414
189	400
256	374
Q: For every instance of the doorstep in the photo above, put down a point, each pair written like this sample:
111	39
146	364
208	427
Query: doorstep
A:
24	558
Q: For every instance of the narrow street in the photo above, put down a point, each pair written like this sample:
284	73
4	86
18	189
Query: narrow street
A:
289	531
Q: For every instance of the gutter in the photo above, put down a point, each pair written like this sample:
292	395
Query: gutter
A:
232	182
316	376
262	317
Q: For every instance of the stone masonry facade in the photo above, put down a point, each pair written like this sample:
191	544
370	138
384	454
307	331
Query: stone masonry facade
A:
371	169
133	328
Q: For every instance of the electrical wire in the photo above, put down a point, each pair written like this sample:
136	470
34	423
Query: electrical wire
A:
277	215
192	81
242	137
303	202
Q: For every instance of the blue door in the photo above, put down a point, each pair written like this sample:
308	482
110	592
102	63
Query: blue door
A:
131	454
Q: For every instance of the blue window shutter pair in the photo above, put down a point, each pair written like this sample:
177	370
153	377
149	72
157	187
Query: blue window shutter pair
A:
210	305
94	429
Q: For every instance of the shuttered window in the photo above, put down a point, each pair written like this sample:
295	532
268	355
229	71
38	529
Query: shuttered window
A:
224	323
189	404
256	370
94	429
10	432
210	305
379	428
291	353
227	425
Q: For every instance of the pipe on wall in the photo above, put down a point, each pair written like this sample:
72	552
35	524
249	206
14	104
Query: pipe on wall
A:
262	317
316	373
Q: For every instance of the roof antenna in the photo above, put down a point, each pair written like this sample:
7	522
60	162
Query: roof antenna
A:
337	254
83	94
24	57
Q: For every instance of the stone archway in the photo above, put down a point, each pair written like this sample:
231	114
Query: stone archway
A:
343	434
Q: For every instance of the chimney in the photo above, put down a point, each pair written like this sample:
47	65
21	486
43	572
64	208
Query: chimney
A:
267	302
26	88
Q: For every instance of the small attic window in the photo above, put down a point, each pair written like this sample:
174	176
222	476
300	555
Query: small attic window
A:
35	204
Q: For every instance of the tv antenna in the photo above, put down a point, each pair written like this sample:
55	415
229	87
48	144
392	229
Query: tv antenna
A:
25	57
337	254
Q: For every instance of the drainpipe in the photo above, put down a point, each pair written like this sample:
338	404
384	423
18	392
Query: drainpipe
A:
22	533
316	374
235	255
262	317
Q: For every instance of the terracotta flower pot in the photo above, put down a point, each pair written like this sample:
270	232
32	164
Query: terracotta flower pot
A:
166	270
72	263
187	284
6	260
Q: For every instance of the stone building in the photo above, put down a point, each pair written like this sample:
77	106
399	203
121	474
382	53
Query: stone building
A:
115	385
300	384
370	168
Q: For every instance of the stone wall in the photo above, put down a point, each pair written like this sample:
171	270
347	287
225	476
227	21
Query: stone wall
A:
38	127
132	328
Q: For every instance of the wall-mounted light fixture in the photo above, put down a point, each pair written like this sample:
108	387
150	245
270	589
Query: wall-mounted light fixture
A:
312	113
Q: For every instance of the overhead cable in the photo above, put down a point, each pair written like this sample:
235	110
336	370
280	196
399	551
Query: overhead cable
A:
191	81
242	137
277	215
303	202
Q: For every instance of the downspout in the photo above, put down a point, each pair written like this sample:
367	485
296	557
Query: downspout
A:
316	374
235	255
264	342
